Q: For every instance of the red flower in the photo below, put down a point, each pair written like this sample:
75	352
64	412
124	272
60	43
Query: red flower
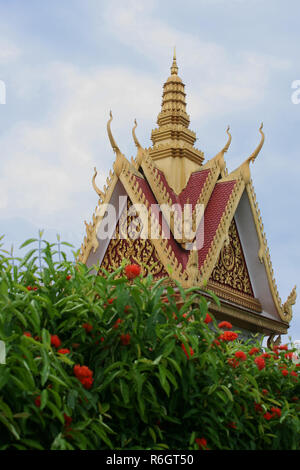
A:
233	362
289	355
241	355
35	288
202	442
276	411
253	351
283	347
27	333
64	351
268	416
284	372
118	322
228	336
127	308
29	288
87	382
37	401
110	301
266	355
88	327
68	277
265	391
125	339
185	351
216	342
294	373
258	407
68	420
231	425
55	341
82	371
260	362
207	319
132	271
84	375
225	324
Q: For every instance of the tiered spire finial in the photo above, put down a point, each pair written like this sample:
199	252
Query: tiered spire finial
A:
174	68
173	138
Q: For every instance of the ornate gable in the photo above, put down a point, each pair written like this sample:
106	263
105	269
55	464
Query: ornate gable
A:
171	174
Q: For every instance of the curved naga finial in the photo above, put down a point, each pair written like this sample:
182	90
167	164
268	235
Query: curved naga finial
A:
137	144
244	168
259	147
110	136
287	306
120	161
140	152
100	193
228	141
219	158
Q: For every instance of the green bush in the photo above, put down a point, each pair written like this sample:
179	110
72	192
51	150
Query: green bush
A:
104	362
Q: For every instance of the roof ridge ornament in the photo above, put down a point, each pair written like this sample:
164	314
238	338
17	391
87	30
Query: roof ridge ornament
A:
259	147
98	191
244	169
174	67
140	149
219	158
121	162
228	141
110	136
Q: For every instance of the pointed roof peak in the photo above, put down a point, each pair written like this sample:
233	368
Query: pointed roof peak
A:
174	67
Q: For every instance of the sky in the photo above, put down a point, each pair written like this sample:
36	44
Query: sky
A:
65	64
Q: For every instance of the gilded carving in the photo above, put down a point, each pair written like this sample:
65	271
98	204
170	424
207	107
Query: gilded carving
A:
231	269
132	248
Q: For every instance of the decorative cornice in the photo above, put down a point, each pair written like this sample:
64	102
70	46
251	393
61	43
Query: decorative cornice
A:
284	310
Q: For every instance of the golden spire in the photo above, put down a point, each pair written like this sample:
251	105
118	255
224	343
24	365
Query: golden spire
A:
174	68
173	142
173	122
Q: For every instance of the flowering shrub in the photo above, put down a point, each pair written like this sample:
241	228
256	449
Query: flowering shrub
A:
111	362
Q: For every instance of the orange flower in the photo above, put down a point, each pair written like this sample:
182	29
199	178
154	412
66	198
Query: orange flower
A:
207	319
88	327
118	322
64	351
132	271
37	401
241	355
202	442
188	355
260	362
253	351
125	339
225	324
55	341
228	336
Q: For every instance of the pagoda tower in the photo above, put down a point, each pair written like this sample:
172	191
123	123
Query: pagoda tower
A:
189	220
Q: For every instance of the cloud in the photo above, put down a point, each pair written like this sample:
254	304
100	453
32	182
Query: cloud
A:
219	79
48	163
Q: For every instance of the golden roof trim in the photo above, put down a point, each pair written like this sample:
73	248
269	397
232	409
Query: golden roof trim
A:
284	310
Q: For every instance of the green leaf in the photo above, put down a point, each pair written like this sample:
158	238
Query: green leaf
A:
44	398
163	379
227	391
124	391
27	242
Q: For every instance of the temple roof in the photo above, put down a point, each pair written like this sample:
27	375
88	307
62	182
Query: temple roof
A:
170	174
